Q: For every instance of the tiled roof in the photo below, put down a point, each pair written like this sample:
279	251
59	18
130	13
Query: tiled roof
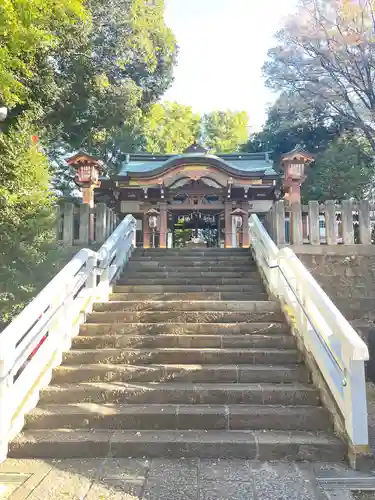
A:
245	162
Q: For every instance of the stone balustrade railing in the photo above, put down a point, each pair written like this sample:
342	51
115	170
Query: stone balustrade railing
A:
81	225
330	223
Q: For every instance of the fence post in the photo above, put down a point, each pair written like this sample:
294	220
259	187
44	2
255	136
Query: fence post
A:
100	223
347	222
314	230
364	222
330	217
296	224
59	223
84	224
68	228
280	223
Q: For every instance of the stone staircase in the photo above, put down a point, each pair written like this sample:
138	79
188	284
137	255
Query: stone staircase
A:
188	358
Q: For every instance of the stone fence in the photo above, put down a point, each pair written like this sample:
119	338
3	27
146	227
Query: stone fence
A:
78	224
347	223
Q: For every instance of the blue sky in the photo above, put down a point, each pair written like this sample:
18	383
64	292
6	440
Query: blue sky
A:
223	44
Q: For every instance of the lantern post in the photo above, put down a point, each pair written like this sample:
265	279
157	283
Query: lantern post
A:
153	215
294	165
238	214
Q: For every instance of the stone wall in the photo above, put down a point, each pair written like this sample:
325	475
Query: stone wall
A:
349	280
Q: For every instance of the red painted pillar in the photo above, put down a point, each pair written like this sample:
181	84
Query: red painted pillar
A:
146	232
245	226
163	225
228	224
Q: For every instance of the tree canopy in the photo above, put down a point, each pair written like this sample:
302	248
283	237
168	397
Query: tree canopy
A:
30	31
325	54
122	67
169	128
225	131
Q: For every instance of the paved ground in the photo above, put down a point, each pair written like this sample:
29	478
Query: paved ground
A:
131	479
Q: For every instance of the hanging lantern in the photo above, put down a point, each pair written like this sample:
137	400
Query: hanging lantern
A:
238	216
238	221
153	218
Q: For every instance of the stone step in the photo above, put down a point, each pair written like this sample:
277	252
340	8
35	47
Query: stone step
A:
192	251
147	267
259	445
203	259
149	289
183	328
183	356
276	374
184	417
188	305
178	393
187	275
184	341
196	280
185	317
239	296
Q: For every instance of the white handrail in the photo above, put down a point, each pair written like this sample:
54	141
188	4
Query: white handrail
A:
34	342
336	347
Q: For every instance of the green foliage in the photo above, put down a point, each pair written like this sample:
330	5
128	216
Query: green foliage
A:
29	31
225	131
343	166
123	65
290	121
26	222
344	170
169	128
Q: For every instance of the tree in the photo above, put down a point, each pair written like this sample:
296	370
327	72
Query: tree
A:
325	54
124	66
344	170
291	121
169	128
26	222
31	31
225	131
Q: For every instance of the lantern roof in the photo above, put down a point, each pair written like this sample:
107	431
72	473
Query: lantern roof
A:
82	158
238	211
297	154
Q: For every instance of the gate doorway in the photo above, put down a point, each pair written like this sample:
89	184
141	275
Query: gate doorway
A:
202	226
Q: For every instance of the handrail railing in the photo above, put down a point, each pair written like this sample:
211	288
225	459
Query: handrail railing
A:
335	346
34	342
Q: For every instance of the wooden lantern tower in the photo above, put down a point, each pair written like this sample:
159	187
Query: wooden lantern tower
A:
294	165
88	169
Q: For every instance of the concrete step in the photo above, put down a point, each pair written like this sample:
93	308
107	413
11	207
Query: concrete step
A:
259	445
184	417
238	296
276	374
149	289
184	328
188	305
184	341
178	393
196	280
183	356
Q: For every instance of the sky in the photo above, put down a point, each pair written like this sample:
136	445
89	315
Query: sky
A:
223	45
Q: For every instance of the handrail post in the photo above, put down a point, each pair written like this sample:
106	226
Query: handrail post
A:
7	359
355	402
